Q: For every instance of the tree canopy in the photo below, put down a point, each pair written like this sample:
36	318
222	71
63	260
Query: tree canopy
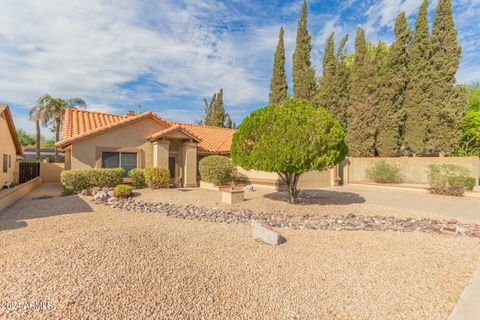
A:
289	139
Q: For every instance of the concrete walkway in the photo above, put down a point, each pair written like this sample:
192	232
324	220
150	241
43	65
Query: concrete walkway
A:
455	207
468	306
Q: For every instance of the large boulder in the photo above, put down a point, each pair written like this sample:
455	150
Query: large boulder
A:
100	195
266	235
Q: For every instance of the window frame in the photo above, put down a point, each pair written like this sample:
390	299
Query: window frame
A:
5	163
100	150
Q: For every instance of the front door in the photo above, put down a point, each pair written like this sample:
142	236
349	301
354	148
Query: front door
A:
172	166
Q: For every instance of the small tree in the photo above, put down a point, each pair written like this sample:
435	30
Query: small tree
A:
289	139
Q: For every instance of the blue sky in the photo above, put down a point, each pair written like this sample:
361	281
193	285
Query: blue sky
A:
168	55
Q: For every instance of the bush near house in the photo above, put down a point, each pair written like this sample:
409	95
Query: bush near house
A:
138	178
74	181
217	170
384	172
450	179
123	191
157	177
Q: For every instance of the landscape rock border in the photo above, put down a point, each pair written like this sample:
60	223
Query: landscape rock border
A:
337	222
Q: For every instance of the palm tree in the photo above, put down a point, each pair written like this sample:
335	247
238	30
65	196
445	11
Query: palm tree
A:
55	111
38	114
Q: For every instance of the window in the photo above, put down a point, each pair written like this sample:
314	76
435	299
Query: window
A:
125	160
5	163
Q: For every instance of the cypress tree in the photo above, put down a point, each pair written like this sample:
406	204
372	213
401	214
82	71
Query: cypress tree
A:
342	73
278	83
392	89
417	95
303	74
447	100
361	111
326	95
228	123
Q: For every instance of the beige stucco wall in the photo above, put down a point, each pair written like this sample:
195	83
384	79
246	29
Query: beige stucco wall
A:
6	147
189	164
133	136
50	172
9	196
413	169
271	181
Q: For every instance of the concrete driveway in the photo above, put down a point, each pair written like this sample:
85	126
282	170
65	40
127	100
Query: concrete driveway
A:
455	207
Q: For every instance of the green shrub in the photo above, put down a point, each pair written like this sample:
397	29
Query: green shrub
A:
384	172
77	180
157	177
138	178
450	179
123	191
107	177
217	170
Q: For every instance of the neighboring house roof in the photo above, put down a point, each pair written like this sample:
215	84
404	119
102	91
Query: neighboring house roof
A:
5	111
80	124
33	148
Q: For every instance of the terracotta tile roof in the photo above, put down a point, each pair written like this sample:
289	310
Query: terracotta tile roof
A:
173	128
4	110
81	124
213	139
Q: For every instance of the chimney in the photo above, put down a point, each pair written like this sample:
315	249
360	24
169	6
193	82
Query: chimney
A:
130	113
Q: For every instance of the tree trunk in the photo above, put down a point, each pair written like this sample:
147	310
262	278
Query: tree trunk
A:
57	138
291	180
37	143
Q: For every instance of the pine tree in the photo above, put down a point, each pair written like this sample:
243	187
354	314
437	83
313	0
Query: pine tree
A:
417	97
361	111
447	101
392	89
278	83
342	74
303	74
326	95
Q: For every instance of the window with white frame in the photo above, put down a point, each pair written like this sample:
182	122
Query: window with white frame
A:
125	160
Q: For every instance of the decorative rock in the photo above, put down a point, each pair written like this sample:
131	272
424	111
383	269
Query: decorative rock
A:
111	193
100	195
248	188
86	192
266	235
111	199
95	190
105	189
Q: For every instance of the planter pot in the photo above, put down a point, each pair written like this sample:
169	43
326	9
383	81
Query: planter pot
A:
232	196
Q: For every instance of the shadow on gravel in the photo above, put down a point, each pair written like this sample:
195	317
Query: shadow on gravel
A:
316	196
15	216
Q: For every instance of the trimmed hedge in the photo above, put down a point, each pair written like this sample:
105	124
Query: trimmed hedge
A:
138	178
123	191
157	177
383	172
77	180
217	170
450	179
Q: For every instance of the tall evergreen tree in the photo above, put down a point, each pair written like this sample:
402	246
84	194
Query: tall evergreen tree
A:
303	74
326	95
447	100
392	89
417	96
215	114
228	122
342	74
278	83
361	111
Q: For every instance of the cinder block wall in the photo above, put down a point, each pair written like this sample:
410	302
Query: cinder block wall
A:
414	169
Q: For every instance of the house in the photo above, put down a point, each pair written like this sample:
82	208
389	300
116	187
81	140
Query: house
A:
30	153
9	147
101	140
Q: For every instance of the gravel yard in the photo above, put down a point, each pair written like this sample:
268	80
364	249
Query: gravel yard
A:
91	261
312	202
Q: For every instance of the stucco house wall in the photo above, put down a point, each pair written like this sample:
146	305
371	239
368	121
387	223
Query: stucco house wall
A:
8	148
132	137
